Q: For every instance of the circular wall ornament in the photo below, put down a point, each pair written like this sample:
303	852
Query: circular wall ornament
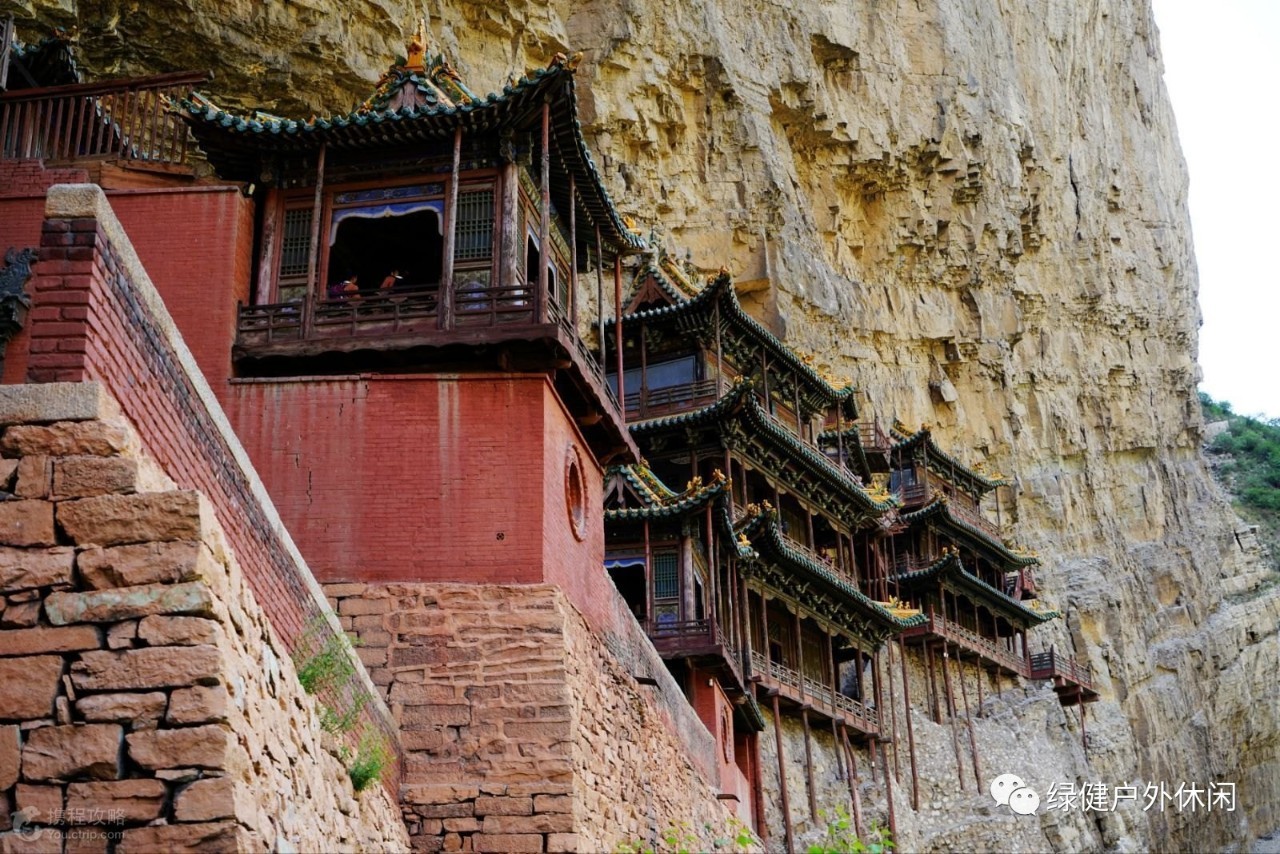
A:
575	493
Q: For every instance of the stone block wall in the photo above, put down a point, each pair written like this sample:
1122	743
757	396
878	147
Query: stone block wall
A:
524	728
149	704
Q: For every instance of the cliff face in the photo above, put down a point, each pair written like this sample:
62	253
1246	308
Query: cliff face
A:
975	211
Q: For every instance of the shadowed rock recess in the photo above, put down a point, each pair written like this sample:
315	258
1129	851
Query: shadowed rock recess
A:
977	212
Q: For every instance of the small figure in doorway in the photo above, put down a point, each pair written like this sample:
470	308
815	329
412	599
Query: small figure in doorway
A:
351	289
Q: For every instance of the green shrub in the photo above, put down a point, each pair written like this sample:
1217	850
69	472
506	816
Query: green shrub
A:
323	659
370	761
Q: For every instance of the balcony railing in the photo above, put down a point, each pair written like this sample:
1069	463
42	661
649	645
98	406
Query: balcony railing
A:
969	514
1050	665
125	119
987	648
694	637
651	403
834	567
803	689
872	437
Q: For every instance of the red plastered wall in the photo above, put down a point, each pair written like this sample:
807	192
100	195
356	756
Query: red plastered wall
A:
716	712
197	246
413	478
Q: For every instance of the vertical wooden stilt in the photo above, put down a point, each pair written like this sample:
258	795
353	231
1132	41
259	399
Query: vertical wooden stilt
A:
933	683
808	767
835	738
911	735
855	782
1084	737
604	356
893	711
757	784
782	776
973	740
951	721
573	254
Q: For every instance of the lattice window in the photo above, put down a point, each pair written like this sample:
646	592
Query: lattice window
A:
295	243
474	239
666	576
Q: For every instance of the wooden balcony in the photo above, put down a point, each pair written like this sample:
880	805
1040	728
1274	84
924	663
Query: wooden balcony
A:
498	328
1072	681
126	120
951	635
697	639
655	403
811	694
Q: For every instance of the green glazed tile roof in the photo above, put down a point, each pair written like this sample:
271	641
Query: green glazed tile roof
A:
942	463
950	567
763	532
721	291
940	508
660	500
741	402
234	143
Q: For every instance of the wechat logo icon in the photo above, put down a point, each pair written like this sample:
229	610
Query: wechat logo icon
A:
1012	791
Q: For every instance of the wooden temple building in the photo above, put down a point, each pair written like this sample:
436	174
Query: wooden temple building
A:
420	266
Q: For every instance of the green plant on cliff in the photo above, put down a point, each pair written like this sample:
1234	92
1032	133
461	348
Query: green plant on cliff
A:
1246	459
371	759
323	658
340	722
680	839
841	838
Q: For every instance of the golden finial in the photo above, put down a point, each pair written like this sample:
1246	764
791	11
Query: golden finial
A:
574	58
766	505
718	475
416	50
743	541
694	485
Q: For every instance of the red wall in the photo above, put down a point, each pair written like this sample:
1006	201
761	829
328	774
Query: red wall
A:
196	243
420	478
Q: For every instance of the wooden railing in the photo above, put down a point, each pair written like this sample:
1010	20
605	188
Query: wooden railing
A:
127	119
1050	665
913	494
834	567
968	513
803	689
650	403
872	437
988	648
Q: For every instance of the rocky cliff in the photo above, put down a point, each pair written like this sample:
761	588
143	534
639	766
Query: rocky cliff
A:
977	212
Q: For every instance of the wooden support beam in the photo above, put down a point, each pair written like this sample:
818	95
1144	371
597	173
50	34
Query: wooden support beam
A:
855	782
604	355
893	712
951	720
782	775
973	740
808	766
573	254
911	735
757	786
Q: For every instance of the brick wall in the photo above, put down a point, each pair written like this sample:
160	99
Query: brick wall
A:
149	703
98	317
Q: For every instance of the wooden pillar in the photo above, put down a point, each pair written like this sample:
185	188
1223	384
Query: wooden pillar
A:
911	735
808	765
604	356
719	358
313	256
757	786
955	741
973	740
573	254
268	290
512	239
450	236
782	775
893	711
933	682
617	333
544	228
855	782
799	647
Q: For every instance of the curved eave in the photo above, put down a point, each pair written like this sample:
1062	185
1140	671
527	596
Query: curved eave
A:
950	568
234	145
681	505
943	464
722	291
762	531
940	510
738	402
